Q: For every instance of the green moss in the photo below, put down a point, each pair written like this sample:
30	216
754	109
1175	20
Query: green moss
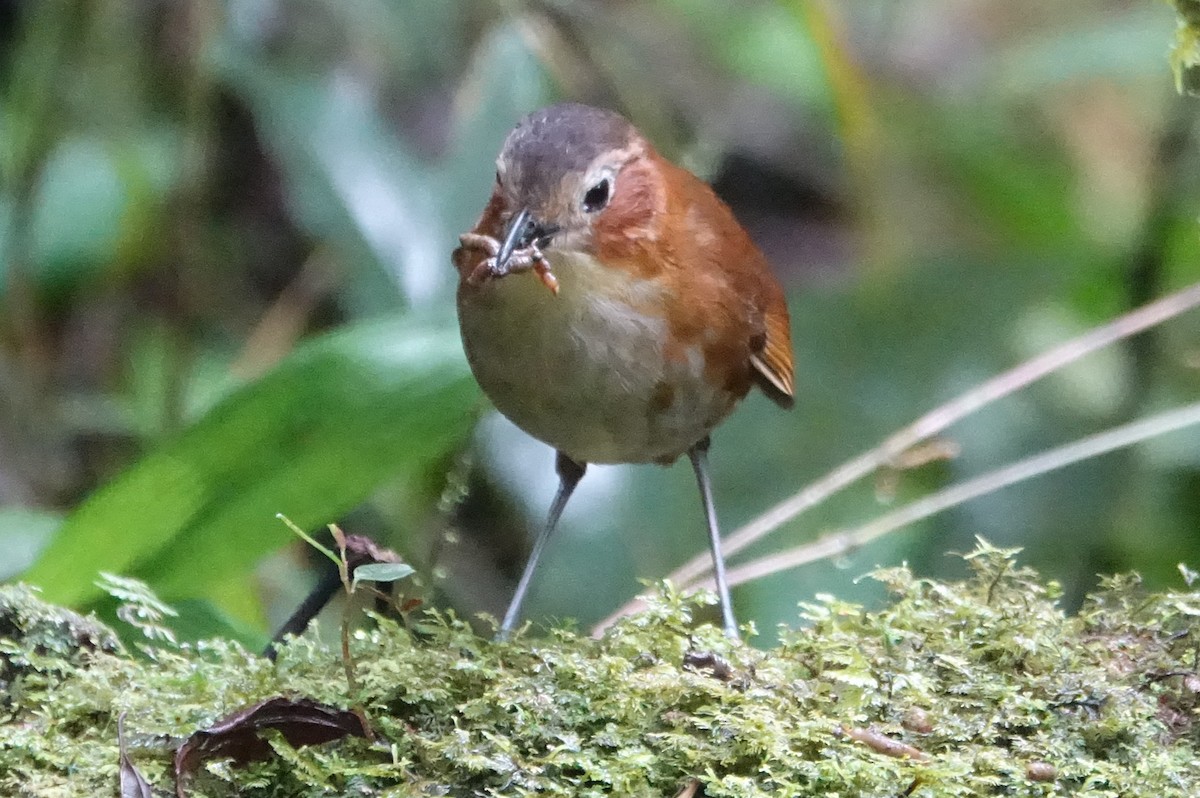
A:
986	678
1185	58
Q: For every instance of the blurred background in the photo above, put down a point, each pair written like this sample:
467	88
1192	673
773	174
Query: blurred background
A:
225	288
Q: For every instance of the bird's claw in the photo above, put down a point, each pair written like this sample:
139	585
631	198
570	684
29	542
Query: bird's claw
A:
528	259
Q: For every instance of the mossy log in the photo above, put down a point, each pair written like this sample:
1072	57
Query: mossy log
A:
983	687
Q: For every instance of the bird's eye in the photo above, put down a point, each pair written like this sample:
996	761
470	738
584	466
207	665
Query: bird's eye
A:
597	196
497	177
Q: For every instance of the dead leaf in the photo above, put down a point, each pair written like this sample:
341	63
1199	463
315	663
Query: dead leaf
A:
718	667
301	722
133	783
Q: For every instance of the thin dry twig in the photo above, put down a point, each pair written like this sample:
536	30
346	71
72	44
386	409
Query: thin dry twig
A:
933	423
882	744
840	543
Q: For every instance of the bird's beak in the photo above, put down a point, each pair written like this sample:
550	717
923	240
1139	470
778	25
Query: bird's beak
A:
522	231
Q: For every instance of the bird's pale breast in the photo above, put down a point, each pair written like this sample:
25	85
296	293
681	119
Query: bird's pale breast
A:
588	371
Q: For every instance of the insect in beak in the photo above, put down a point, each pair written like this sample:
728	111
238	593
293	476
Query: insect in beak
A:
517	236
523	235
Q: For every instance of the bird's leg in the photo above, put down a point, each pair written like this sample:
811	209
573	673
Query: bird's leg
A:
529	258
699	457
569	474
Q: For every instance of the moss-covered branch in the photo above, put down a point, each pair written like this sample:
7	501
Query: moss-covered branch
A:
1185	59
986	687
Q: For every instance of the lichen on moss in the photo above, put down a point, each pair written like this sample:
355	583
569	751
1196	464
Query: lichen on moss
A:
974	688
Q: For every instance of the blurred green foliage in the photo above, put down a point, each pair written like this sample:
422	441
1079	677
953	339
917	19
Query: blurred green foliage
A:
191	190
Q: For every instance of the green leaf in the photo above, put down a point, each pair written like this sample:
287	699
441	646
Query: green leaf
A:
311	440
1114	46
350	179
80	201
503	81
381	572
202	620
354	181
95	202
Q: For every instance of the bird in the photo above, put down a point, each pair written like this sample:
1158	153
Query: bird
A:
612	307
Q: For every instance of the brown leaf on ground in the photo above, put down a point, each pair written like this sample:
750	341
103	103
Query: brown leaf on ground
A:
301	722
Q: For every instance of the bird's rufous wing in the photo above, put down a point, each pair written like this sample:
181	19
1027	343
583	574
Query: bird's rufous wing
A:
719	238
773	370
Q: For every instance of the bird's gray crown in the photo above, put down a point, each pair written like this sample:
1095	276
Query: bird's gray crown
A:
558	140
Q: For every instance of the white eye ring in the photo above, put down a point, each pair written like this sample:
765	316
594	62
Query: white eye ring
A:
596	197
